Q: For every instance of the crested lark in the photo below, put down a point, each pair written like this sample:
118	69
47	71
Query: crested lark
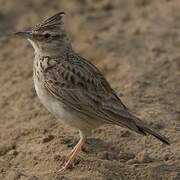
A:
72	88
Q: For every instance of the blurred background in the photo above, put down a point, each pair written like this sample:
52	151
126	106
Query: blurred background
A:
135	43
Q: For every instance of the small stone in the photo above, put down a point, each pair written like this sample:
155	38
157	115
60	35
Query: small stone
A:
13	152
57	157
44	131
48	138
143	157
107	155
125	133
132	161
126	156
158	126
167	157
5	148
98	131
33	178
108	7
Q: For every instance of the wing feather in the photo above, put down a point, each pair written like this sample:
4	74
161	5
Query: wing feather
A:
82	87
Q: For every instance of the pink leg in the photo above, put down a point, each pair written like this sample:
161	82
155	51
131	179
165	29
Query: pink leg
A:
69	155
73	154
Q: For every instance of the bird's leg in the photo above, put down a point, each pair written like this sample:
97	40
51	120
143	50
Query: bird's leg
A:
74	148
73	154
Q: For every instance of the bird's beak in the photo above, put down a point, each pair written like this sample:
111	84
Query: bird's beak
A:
25	34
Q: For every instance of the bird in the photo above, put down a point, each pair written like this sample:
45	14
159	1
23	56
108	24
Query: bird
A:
73	89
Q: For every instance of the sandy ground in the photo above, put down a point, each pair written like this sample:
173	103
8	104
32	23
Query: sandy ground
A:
136	44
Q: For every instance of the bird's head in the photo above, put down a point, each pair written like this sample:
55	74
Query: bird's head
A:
48	37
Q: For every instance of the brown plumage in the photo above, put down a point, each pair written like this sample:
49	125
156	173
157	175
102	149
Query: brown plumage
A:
82	87
73	89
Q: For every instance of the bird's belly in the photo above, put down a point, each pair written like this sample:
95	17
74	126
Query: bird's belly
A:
59	110
52	104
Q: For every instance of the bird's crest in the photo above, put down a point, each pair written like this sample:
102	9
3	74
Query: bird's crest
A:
54	21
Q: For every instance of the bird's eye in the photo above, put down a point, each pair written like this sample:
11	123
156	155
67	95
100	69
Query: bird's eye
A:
47	35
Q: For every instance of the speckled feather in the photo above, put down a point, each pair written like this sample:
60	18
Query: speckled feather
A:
80	85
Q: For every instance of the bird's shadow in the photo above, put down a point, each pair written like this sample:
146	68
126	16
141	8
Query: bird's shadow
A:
95	145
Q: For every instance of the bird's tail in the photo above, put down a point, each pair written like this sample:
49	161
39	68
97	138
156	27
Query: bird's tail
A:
143	129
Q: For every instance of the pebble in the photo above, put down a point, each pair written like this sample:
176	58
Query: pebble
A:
125	133
126	156
47	138
107	155
143	157
32	178
5	148
13	152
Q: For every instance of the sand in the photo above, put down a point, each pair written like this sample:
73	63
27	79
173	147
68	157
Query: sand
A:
136	45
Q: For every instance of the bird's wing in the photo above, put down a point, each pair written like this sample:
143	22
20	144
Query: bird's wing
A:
80	85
